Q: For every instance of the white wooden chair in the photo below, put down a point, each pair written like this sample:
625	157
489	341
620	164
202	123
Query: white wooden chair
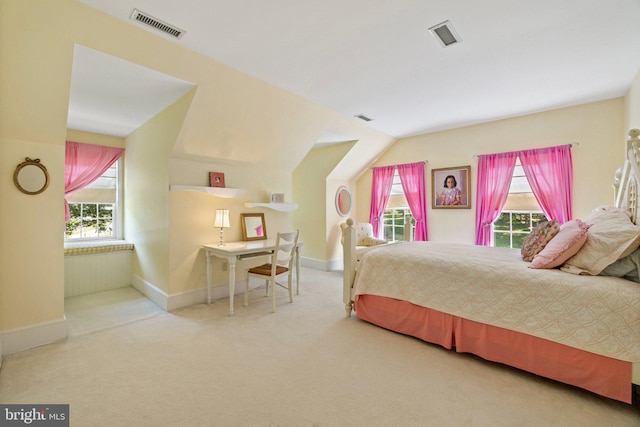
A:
281	263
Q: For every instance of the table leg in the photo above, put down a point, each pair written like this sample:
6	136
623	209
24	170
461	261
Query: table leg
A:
208	278
232	282
297	270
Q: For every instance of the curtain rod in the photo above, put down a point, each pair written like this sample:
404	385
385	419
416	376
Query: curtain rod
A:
573	144
425	162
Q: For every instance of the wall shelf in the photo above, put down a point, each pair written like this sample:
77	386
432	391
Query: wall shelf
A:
226	193
282	207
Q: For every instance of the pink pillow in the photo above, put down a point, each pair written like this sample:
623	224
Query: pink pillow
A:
539	237
571	237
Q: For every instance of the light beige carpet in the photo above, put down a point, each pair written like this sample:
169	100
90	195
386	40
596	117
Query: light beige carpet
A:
94	312
305	365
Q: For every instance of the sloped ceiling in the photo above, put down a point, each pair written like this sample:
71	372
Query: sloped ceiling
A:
377	58
114	97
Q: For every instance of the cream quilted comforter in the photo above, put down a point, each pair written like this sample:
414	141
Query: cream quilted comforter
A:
494	286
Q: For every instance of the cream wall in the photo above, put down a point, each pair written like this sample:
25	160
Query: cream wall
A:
597	127
147	208
31	248
255	133
192	215
632	105
314	190
32	124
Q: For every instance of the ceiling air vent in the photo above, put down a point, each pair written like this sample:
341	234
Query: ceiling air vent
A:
445	34
363	117
149	20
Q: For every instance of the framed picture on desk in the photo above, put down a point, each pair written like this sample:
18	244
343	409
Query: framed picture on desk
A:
253	227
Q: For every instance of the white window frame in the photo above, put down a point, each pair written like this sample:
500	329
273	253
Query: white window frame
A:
406	215
118	211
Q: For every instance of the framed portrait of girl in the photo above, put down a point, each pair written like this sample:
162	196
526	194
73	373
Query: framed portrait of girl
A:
450	188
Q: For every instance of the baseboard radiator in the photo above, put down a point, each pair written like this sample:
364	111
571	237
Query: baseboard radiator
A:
92	269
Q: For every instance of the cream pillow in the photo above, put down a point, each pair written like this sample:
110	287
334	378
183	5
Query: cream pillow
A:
571	237
372	241
611	236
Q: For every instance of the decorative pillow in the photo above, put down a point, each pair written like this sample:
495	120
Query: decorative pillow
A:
364	230
538	239
571	237
372	241
611	236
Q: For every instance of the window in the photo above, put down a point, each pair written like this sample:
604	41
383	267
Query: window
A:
95	210
520	214
512	227
397	213
394	220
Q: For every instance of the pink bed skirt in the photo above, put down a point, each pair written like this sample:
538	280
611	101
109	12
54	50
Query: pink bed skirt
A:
602	375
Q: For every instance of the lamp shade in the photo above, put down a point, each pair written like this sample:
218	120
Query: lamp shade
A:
222	218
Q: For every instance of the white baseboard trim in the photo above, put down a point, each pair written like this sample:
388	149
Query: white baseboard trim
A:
317	264
183	299
32	336
152	292
199	296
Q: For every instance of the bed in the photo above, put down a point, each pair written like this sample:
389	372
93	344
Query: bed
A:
575	319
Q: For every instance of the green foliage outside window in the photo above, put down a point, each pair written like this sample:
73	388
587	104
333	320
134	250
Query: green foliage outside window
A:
90	220
512	228
393	223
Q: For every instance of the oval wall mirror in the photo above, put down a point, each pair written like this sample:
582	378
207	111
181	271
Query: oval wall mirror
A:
343	201
31	176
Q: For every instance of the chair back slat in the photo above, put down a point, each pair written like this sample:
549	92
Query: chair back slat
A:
284	250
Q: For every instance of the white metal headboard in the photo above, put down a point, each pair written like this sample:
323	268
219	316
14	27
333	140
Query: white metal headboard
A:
626	180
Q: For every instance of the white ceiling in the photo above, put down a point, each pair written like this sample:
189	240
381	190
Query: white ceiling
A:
377	58
114	97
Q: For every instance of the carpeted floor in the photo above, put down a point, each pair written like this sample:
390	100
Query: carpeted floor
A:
305	365
95	312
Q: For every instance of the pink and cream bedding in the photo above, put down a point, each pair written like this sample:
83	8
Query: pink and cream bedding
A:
487	301
494	286
600	374
563	315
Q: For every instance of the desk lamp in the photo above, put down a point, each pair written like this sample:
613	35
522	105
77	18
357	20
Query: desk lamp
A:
222	221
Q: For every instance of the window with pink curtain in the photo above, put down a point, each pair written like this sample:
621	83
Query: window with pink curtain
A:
494	178
549	172
412	179
83	164
380	191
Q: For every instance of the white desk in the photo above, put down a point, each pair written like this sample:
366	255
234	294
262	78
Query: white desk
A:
233	251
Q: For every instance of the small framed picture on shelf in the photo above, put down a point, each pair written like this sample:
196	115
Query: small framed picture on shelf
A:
216	179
